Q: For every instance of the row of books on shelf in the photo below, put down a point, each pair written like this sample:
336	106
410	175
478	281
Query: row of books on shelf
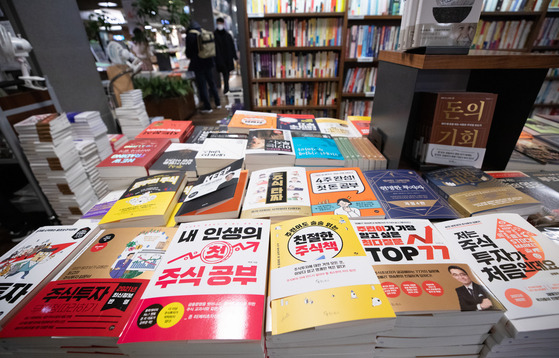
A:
549	92
360	80
400	287
257	7
512	5
356	8
548	32
502	35
365	41
295	32
295	64
352	107
295	94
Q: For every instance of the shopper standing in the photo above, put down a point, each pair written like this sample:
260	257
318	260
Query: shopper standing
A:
202	68
140	47
225	52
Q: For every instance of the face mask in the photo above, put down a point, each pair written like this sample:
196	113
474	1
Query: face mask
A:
220	27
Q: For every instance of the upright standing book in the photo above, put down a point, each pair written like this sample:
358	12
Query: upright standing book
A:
97	291
403	194
31	264
342	191
208	296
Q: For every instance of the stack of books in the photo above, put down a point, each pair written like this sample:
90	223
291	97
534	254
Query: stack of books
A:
89	158
47	142
90	126
217	153
316	150
428	288
177	157
116	141
132	116
131	161
268	148
176	131
360	152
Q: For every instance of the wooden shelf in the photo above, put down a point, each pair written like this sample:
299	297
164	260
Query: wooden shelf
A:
358	95
362	62
294	15
547	105
296	48
287	108
298	79
374	18
487	14
546	48
476	59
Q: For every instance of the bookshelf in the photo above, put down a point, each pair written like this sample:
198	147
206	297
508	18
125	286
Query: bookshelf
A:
401	75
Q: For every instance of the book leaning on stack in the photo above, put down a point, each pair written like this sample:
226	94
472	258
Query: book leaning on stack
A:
428	288
86	307
325	298
208	296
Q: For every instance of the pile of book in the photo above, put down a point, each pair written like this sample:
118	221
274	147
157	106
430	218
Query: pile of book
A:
90	159
132	116
90	126
176	131
47	143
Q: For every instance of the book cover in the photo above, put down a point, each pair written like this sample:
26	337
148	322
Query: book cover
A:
212	188
456	127
243	121
95	294
360	123
403	194
222	148
176	131
472	192
320	275
210	286
336	127
148	199
225	209
342	191
277	193
177	157
200	133
516	262
538	150
297	122
269	142
31	264
540	127
137	153
316	149
450	23
549	178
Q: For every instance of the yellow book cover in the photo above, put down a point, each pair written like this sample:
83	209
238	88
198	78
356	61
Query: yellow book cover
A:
320	275
148	201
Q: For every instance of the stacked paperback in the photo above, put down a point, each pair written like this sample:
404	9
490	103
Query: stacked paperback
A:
132	116
176	131
90	126
89	159
218	153
268	148
47	142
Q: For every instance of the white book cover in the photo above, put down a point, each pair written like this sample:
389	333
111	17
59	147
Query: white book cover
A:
269	142
210	285
26	267
516	261
222	148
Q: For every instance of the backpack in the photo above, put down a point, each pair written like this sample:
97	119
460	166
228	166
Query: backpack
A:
206	43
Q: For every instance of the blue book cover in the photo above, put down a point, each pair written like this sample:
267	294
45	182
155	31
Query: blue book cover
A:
297	122
405	195
314	146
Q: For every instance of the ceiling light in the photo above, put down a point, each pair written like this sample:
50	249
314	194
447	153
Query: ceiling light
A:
107	4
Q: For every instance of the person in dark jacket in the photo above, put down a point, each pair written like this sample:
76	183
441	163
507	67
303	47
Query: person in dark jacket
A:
225	52
472	297
202	68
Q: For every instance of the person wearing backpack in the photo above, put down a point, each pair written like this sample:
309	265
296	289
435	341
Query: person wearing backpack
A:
225	52
202	64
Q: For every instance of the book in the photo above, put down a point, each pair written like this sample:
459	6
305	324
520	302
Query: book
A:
200	133
342	191
549	215
96	292
177	157
212	188
318	265
549	178
472	192
336	127
360	124
131	161
538	150
225	209
116	141
277	194
243	121
315	149
208	294
297	122
267	148
217	153
454	127
28	266
517	263
537	126
100	209
403	194
446	24
176	131
148	201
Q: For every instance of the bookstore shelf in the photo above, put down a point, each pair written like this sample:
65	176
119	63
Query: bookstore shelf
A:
287	108
295	15
359	95
295	48
298	79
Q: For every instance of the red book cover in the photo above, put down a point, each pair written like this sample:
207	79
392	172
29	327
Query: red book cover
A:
136	153
176	131
95	294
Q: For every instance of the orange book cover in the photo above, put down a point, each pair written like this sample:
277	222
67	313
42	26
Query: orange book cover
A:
243	121
342	191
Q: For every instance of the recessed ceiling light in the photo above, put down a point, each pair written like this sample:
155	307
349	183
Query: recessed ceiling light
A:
107	4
